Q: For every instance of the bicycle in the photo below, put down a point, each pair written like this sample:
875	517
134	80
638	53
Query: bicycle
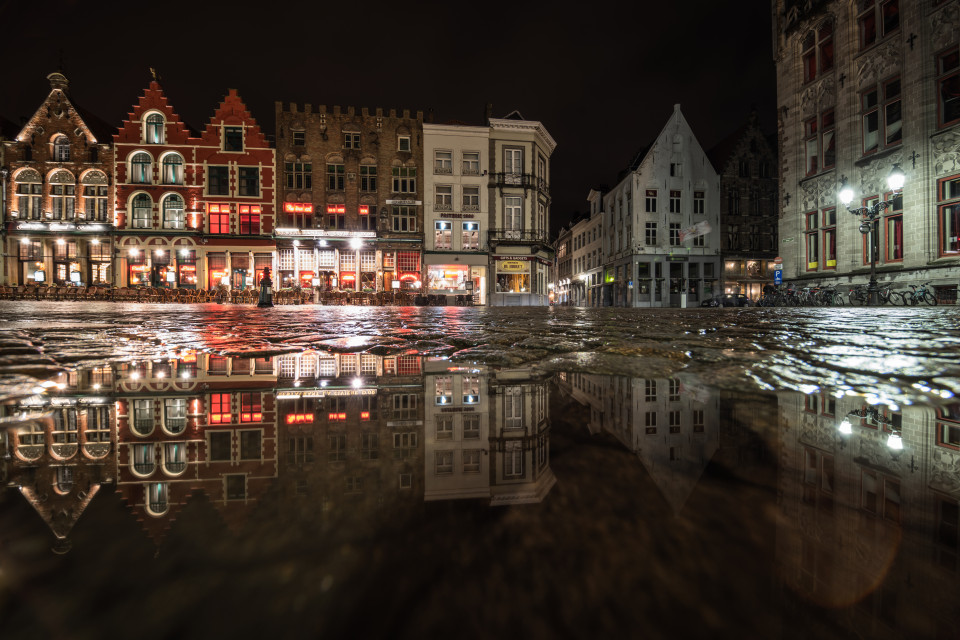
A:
918	294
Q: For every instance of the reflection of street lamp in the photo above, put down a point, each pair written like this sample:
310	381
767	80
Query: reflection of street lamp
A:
870	221
894	440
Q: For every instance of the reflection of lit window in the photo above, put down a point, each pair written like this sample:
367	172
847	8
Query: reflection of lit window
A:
444	389
250	407
471	389
175	414
219	408
157	498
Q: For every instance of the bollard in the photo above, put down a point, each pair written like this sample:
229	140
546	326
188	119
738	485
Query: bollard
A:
266	294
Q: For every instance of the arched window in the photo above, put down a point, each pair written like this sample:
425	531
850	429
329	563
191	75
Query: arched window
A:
141	168
173	212
142	212
154	130
29	195
157	498
172	169
61	148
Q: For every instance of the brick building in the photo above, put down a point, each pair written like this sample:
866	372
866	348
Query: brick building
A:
746	161
193	210
57	192
863	87
350	197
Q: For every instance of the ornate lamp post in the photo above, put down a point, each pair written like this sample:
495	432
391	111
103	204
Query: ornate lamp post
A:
894	440
870	221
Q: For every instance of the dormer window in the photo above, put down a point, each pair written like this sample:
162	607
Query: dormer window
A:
61	149
154	132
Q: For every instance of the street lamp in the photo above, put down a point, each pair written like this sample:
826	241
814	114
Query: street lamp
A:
870	221
894	440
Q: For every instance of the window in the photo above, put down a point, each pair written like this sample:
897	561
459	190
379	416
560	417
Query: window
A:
674	390
443	386
299	175
874	13
698	421
471	461
61	149
173	217
143	459
948	217
233	138
651	233
820	145
817	52
404	218
513	215
367	222
443	237
513	161
250	410
948	426
443	462
351	140
249	219
471	426
698	202
443	198
219	217
369	446
154	129
29	197
175	415
250	446
471	163
676	169
338	448
830	238
236	486
887	132
893	224
470	237
220	408
650	390
140	168
299	138
249	181
142	211
513	459
674	202
63	199
445	427
513	408
651	201
172	169
157	497
813	241
95	202
880	495
218	181
650	423
403	143
733	202
674	234
404	179
443	162
471	198
948	83
368	178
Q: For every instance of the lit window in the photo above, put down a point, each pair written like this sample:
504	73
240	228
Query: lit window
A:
61	149
173	216
142	207
443	238
172	169
141	168
470	236
154	129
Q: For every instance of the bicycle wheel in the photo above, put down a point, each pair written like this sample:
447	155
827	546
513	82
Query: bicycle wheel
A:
855	298
930	299
836	299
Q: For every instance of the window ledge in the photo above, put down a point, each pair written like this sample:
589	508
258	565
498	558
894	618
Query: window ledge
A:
816	176
867	159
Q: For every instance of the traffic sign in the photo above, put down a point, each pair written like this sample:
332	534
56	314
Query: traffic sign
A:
778	277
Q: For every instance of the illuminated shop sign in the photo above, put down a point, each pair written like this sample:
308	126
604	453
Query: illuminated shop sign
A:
336	208
60	226
297	207
516	266
300	418
406	203
325	233
364	210
291	394
218	208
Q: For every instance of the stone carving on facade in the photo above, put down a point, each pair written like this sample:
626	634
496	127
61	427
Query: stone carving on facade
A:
946	149
817	436
62	177
873	176
810	195
878	65
819	192
29	175
828	190
945	472
944	27
818	97
874	453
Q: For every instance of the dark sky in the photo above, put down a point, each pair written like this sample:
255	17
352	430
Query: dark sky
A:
602	77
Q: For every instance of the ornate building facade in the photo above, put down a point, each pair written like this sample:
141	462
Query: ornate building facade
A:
58	190
864	86
350	197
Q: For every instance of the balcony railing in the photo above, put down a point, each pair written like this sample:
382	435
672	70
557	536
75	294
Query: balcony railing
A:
143	426
176	425
143	468
495	236
175	467
525	180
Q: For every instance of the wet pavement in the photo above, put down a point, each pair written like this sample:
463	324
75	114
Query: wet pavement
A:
208	470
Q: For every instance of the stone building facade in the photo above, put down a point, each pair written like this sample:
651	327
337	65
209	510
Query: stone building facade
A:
58	193
350	198
862	87
746	162
669	189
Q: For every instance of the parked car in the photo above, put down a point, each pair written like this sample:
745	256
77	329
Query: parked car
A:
728	300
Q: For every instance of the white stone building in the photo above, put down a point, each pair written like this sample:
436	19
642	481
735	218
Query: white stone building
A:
587	250
456	215
861	87
668	188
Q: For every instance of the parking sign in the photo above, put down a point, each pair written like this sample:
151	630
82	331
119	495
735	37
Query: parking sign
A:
778	277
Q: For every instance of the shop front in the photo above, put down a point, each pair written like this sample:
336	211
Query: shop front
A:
217	272
520	281
187	268
457	276
163	274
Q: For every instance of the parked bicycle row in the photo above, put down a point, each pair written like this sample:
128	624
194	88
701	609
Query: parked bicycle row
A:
838	295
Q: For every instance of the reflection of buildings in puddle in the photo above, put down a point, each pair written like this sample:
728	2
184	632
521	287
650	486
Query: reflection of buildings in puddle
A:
865	526
671	424
487	434
199	423
56	450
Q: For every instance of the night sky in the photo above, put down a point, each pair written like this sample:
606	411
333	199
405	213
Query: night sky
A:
602	78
